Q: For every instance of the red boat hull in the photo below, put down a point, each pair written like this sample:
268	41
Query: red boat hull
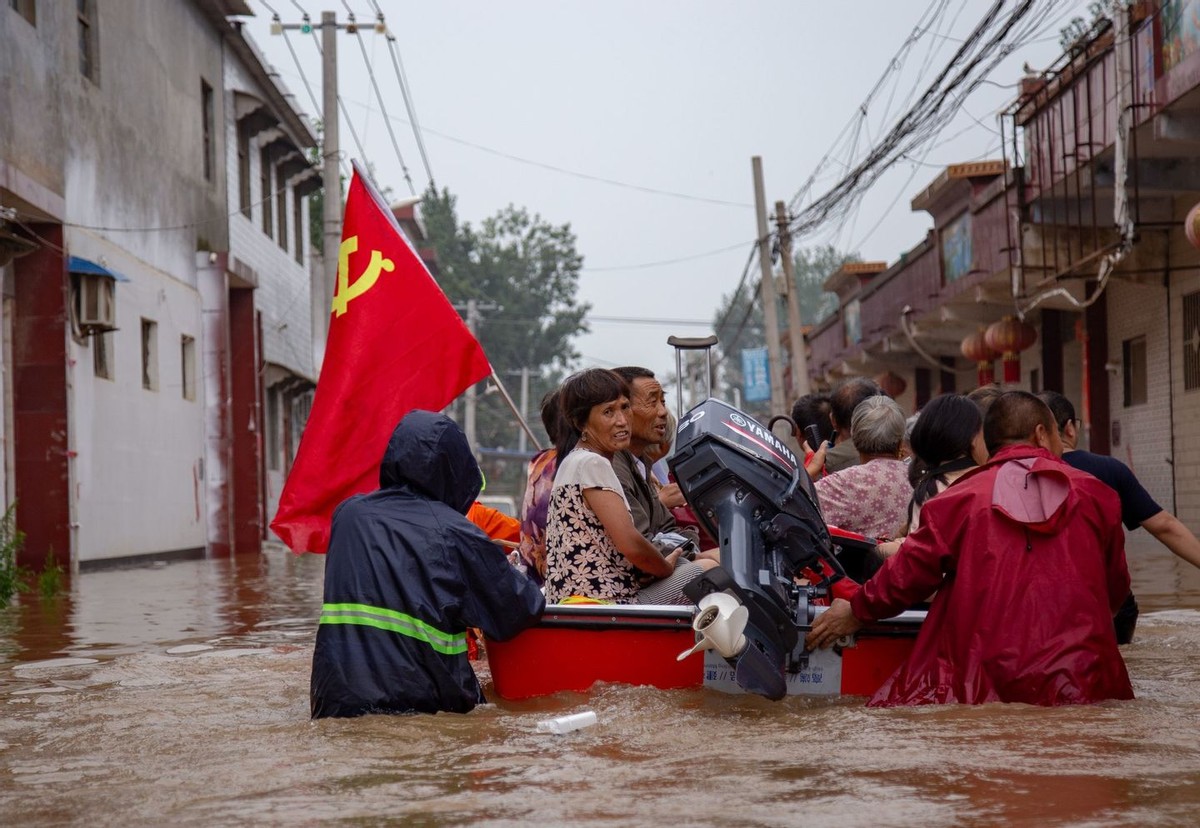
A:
575	646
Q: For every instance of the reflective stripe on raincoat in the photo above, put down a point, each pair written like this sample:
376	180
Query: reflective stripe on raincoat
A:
406	574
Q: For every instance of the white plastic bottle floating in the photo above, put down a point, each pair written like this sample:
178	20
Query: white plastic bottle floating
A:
566	724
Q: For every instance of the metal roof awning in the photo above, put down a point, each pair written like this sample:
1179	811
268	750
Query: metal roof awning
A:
77	264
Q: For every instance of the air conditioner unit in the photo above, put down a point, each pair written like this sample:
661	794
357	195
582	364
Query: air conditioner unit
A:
97	303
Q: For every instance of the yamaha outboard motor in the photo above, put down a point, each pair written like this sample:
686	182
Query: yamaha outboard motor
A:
751	493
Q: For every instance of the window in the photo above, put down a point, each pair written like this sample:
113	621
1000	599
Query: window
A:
1191	341
187	355
206	113
1133	359
298	222
264	176
102	345
852	322
243	152
149	355
281	210
957	253
84	15
274	426
25	8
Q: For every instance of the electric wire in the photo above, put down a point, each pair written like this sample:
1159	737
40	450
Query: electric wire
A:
304	78
565	171
345	167
664	262
992	39
410	107
387	120
720	324
405	89
823	206
936	7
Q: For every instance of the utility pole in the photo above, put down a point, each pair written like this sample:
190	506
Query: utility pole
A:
474	307
770	304
331	218
469	419
330	178
795	333
522	443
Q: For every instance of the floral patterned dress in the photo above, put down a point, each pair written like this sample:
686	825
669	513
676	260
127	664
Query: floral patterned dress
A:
581	559
871	499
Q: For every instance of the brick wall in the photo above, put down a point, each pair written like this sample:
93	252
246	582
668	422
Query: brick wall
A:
1144	441
1186	414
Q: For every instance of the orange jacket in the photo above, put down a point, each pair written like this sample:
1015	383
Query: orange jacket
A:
494	523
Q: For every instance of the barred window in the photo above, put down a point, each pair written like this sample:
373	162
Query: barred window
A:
1133	360
102	346
1191	341
208	128
149	355
85	18
264	182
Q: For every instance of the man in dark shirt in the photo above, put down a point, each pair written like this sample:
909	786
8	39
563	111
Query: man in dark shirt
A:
844	399
649	505
1138	508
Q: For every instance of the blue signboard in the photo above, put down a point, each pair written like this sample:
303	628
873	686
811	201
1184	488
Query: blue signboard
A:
756	376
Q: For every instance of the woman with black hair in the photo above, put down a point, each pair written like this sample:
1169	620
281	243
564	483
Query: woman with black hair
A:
947	442
593	549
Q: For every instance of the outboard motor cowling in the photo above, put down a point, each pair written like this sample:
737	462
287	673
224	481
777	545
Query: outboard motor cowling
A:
751	493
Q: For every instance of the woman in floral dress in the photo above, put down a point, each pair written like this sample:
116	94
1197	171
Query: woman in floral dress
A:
593	550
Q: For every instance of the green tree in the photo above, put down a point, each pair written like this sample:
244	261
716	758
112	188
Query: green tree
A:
739	319
528	269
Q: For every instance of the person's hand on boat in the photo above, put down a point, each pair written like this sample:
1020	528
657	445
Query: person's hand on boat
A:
670	496
834	623
888	548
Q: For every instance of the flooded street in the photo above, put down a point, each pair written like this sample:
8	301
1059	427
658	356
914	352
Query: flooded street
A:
178	694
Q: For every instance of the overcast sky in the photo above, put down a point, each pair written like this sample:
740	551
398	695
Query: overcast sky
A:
529	103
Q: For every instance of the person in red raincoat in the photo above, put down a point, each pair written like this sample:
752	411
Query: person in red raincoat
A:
1028	560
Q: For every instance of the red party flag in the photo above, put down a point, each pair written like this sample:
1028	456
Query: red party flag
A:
395	344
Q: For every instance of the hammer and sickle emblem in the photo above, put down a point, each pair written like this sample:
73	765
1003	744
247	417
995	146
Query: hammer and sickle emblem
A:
347	290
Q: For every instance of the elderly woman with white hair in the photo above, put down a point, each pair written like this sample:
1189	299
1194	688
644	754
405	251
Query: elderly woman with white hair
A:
872	497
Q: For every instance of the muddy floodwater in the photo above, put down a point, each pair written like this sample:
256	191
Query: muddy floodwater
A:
178	695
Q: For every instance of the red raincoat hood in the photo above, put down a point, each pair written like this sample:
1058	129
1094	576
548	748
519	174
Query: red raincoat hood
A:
1031	488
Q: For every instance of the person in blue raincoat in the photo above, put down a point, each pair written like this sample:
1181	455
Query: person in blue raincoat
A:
406	574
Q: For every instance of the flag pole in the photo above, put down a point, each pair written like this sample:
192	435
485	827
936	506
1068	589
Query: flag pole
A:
521	420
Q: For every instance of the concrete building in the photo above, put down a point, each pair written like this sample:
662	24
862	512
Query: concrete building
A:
1113	294
144	326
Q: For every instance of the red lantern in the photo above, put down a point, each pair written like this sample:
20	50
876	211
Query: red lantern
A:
1010	336
1191	226
891	384
975	348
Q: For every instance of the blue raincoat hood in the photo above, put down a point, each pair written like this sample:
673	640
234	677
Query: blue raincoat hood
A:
428	452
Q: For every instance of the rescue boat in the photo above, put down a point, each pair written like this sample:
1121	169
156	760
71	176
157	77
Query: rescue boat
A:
575	646
780	564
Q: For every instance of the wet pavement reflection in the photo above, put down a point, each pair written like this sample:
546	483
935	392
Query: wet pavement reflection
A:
178	694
